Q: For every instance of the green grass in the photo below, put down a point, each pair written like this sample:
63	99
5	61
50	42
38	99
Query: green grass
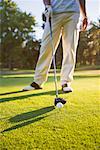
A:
29	120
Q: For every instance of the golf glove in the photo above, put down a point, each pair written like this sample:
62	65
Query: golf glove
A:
48	11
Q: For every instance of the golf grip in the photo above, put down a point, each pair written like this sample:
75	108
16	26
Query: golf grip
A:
53	57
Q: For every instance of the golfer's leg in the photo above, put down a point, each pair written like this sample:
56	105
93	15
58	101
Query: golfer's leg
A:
45	57
70	41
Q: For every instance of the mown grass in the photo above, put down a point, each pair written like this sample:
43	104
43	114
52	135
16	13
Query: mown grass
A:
29	120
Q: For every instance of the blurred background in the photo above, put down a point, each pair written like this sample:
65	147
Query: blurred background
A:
21	31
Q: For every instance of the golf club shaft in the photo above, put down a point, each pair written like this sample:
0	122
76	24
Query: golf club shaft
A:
53	57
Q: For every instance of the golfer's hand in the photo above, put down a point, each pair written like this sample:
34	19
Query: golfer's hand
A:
48	11
84	24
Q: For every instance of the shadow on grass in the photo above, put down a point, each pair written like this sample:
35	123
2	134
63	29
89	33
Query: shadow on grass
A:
29	117
31	114
14	92
27	96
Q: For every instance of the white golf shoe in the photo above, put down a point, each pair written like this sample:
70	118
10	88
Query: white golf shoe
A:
66	88
33	86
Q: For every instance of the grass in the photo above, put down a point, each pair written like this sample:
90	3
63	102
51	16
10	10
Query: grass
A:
29	120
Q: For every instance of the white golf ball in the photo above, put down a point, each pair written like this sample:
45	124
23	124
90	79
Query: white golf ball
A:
59	105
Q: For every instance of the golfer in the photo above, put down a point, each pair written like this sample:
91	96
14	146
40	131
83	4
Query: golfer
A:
64	17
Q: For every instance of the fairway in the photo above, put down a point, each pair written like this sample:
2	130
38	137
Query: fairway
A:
29	120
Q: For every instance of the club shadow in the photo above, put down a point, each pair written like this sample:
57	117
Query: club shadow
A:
2	100
31	114
29	118
23	124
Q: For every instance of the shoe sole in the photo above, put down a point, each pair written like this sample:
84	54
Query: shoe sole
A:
67	91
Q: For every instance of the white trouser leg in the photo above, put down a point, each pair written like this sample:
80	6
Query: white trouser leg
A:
45	57
70	40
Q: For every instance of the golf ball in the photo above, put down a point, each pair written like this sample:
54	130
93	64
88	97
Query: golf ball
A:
59	105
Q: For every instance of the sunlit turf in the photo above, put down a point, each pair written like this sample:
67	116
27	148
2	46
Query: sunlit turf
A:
29	120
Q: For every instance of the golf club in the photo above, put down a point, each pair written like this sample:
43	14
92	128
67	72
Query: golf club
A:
57	99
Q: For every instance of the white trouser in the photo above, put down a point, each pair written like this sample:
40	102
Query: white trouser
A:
64	25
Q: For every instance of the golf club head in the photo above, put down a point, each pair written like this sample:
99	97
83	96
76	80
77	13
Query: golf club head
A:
59	100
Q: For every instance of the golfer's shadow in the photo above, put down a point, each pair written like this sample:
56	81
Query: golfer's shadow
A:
26	96
14	92
29	117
